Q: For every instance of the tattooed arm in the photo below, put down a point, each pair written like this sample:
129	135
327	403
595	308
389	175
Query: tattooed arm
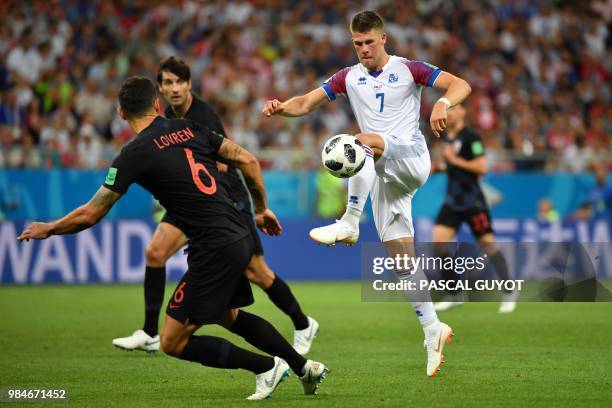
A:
249	165
77	220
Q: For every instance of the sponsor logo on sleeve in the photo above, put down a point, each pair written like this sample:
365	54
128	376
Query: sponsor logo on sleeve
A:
111	176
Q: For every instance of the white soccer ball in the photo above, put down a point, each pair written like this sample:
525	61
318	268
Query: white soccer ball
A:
343	155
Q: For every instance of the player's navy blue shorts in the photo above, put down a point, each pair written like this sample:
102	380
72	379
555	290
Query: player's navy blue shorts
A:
257	245
214	282
479	219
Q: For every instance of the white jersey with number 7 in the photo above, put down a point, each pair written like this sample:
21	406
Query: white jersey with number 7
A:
386	102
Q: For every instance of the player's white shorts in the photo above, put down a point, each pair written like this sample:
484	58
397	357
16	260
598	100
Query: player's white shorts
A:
401	170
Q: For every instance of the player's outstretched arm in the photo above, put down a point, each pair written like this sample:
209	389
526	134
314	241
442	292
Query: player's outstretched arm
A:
456	89
249	165
77	220
296	106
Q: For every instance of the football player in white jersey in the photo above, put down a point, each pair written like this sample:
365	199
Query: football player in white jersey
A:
384	92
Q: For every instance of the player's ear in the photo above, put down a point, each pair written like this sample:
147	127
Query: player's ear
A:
189	85
383	38
156	105
121	112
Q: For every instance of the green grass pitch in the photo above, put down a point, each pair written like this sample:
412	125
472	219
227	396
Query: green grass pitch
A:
541	355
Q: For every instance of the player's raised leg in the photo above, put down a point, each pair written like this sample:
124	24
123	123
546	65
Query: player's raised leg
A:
306	328
346	230
166	240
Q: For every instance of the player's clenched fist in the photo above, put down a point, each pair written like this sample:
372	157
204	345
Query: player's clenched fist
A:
272	107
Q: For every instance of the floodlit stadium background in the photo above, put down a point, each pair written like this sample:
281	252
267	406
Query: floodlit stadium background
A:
540	74
539	71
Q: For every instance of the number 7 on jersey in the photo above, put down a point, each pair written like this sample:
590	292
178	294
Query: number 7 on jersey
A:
382	100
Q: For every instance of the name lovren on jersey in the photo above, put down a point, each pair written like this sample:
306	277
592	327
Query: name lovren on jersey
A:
177	137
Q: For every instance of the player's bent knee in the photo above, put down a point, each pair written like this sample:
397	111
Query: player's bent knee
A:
373	141
229	317
256	277
488	244
441	248
169	345
259	273
174	345
250	274
156	256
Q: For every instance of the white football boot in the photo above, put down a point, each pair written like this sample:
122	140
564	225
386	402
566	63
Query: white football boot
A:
266	383
138	341
508	303
334	233
314	374
435	344
302	339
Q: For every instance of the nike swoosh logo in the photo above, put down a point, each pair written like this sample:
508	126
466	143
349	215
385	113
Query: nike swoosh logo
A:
148	343
271	382
309	337
437	349
310	334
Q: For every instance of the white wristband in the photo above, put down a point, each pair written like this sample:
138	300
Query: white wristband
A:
445	101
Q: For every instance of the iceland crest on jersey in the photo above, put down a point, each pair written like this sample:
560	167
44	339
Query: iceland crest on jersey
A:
393	78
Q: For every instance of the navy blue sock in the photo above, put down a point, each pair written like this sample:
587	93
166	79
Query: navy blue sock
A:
501	267
264	336
154	286
280	294
219	353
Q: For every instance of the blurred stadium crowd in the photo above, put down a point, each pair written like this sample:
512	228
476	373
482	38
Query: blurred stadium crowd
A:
540	73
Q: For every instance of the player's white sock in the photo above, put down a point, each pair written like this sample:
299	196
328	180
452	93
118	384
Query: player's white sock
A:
359	187
421	302
423	307
427	315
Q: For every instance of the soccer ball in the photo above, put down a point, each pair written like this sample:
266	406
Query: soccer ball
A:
343	156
